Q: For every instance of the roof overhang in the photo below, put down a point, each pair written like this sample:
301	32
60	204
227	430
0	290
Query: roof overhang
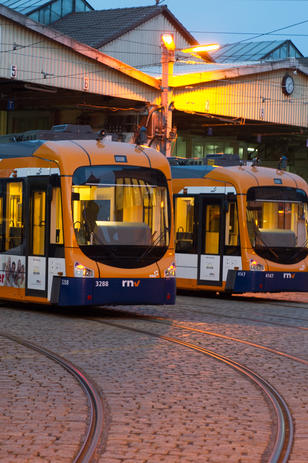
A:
78	47
233	72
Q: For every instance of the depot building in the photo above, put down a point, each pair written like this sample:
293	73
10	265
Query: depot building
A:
54	72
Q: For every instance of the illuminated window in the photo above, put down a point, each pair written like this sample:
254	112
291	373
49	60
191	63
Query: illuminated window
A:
38	223
184	225
212	224
56	224
14	226
277	223
121	213
2	230
232	228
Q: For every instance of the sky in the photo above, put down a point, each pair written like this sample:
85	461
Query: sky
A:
229	21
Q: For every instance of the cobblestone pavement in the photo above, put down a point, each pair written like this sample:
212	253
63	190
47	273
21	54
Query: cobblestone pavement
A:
291	297
165	403
41	408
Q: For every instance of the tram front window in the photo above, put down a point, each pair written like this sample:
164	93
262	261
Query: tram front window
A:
121	215
277	220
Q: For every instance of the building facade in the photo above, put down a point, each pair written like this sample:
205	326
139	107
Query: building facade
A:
47	77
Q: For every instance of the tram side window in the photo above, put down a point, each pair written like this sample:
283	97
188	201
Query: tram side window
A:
212	225
14	226
2	230
184	225
56	222
232	236
38	222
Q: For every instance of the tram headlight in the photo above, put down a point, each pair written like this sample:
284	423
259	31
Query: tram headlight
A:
80	271
255	266
170	271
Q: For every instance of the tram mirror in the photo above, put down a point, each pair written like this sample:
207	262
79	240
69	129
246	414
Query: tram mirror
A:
75	196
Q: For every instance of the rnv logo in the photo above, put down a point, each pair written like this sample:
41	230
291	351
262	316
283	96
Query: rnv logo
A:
130	284
289	275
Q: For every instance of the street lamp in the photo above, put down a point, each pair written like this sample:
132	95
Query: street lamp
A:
167	60
200	48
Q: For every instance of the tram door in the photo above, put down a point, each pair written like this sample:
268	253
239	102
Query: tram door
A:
37	277
210	239
199	222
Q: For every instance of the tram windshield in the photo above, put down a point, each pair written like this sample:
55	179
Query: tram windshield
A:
121	215
277	219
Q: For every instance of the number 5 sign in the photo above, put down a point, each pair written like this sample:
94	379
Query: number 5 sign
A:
13	71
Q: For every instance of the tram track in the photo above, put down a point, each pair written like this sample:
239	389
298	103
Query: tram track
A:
258	320
270	315
282	426
229	338
258	301
283	433
254	298
255	320
278	302
172	323
94	435
169	320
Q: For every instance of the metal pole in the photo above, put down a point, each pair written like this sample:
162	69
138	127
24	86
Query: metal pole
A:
167	61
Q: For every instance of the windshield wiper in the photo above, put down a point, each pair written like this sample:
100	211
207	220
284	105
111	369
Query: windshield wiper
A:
266	246
154	243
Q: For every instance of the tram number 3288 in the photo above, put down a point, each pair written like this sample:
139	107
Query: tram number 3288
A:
101	284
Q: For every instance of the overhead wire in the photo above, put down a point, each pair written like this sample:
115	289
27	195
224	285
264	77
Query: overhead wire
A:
88	67
276	30
78	75
17	47
253	34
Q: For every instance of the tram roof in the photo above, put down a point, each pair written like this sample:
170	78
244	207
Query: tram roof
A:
190	171
19	149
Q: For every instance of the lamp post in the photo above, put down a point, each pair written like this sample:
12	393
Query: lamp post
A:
167	60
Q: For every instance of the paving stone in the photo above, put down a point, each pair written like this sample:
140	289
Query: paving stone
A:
164	403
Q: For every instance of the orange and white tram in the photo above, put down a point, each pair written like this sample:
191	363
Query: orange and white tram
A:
84	221
240	229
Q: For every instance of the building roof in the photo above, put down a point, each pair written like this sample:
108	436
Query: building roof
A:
27	7
256	51
82	49
97	28
23	6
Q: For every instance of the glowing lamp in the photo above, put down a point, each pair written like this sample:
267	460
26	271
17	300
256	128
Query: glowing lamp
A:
168	41
201	48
